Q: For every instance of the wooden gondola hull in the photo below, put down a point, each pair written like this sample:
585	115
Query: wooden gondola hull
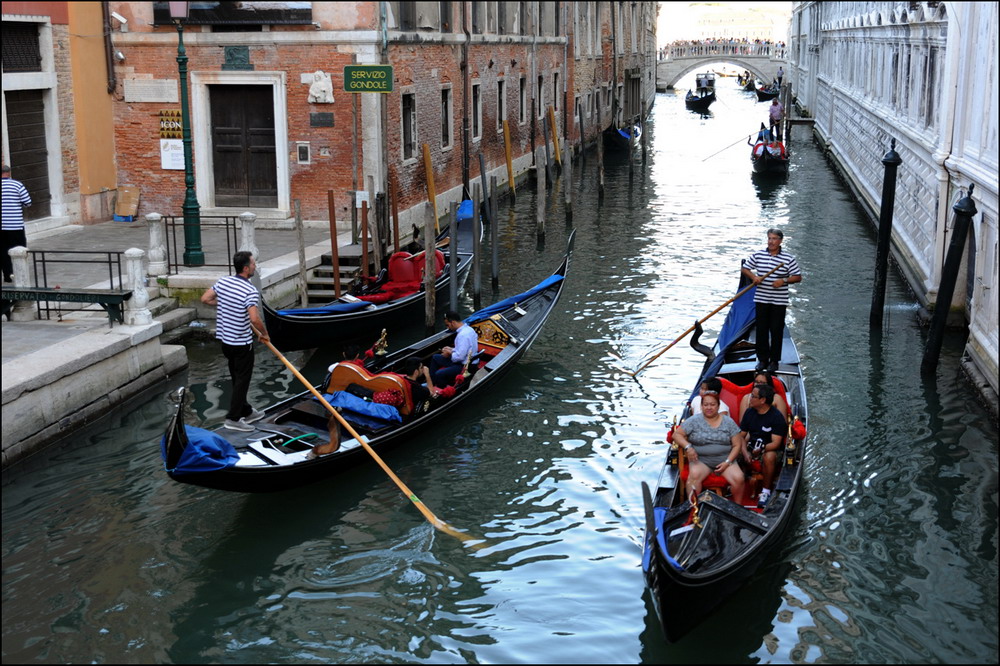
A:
765	95
769	164
699	103
294	329
694	560
619	140
260	464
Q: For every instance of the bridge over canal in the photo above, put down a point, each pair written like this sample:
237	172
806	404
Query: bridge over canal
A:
761	60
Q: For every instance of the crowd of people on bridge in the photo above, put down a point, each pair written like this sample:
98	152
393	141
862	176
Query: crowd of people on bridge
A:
719	46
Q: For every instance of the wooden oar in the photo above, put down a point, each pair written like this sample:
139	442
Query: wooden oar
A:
702	321
726	148
428	514
441	243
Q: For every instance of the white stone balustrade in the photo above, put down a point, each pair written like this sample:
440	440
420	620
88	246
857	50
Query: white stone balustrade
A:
22	310
136	308
157	245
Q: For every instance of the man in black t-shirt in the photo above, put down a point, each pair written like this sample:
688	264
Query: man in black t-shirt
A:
763	428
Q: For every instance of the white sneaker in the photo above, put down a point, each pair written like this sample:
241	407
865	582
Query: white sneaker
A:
240	425
764	496
255	415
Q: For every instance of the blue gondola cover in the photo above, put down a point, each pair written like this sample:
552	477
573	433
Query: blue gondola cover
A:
500	306
206	452
332	308
362	407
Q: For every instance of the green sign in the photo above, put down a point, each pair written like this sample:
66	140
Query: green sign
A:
368	78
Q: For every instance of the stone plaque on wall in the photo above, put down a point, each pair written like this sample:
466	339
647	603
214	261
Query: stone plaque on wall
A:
321	120
150	90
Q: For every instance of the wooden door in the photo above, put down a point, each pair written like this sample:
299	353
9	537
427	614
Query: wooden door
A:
29	156
243	151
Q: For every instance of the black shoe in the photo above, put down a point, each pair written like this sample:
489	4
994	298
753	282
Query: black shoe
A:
760	366
773	368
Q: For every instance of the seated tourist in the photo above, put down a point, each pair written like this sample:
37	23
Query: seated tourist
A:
762	429
764	377
710	385
711	443
450	361
421	385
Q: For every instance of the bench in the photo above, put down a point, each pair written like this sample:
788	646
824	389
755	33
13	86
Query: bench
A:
109	299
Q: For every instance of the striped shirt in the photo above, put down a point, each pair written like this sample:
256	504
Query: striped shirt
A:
235	295
15	199
760	263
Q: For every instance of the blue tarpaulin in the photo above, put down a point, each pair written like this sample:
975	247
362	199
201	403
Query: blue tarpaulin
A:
331	308
506	303
363	408
206	452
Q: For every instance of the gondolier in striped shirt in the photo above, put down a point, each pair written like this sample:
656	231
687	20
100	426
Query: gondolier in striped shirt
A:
15	200
238	305
771	296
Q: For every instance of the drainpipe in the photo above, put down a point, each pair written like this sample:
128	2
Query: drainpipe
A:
466	192
108	48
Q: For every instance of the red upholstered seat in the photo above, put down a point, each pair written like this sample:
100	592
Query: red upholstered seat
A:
712	481
406	275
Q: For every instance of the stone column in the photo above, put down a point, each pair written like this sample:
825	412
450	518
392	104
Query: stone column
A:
22	310
136	311
247	239
157	245
249	243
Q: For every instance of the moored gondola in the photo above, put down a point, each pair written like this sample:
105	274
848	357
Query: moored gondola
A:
621	138
278	454
697	553
767	94
378	303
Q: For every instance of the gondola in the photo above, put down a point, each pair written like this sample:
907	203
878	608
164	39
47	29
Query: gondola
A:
278	454
620	139
750	86
768	156
695	555
397	293
767	94
699	103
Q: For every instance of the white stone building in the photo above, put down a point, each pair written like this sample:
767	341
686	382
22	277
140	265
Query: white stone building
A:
924	74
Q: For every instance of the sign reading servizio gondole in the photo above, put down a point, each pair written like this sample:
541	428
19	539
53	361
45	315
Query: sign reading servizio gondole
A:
368	78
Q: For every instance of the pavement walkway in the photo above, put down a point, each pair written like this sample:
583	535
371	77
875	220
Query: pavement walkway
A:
20	338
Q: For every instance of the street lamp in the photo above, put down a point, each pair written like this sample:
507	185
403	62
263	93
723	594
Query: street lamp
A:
193	256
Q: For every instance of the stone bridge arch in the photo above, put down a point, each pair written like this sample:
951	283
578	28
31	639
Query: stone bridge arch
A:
672	70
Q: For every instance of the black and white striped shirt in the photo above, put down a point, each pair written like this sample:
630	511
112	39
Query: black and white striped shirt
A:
15	199
235	295
760	263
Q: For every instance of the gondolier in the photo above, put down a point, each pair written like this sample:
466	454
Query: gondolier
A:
771	297
238	308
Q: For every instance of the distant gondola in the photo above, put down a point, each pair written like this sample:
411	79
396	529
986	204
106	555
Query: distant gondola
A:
699	103
277	454
695	555
620	139
767	94
393	296
768	155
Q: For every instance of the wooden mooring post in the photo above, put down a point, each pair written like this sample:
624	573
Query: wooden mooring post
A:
430	264
334	243
453	253
540	192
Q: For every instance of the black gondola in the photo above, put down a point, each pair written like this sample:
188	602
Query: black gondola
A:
278	455
396	295
767	94
620	139
695	555
699	103
768	156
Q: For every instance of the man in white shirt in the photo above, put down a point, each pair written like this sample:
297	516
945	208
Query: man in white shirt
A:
446	365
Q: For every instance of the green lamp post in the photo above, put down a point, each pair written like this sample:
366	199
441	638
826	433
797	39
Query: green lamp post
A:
193	255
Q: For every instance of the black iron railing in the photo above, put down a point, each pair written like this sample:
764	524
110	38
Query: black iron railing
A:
224	226
48	264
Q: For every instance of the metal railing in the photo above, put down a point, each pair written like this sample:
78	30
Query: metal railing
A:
45	263
224	225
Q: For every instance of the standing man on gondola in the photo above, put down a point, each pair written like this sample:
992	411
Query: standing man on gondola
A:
771	296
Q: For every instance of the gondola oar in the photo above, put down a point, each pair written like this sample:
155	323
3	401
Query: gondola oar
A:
428	514
727	147
704	319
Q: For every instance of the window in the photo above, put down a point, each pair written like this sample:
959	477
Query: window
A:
590	104
21	51
501	104
407	16
477	112
502	18
577	108
409	126
540	96
522	16
556	92
477	18
446	118
445	11
522	100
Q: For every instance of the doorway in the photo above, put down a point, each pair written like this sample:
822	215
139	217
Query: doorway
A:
243	146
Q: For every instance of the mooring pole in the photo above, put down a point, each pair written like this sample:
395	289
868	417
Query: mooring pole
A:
334	249
540	193
453	251
965	210
477	250
600	155
486	192
567	178
891	161
430	266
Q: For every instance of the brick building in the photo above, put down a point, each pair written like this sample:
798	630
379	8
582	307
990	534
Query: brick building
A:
57	133
272	123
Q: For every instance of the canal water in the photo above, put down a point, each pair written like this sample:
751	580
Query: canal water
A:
892	557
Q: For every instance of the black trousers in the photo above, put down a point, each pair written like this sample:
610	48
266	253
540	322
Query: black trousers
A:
240	359
770	328
10	239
